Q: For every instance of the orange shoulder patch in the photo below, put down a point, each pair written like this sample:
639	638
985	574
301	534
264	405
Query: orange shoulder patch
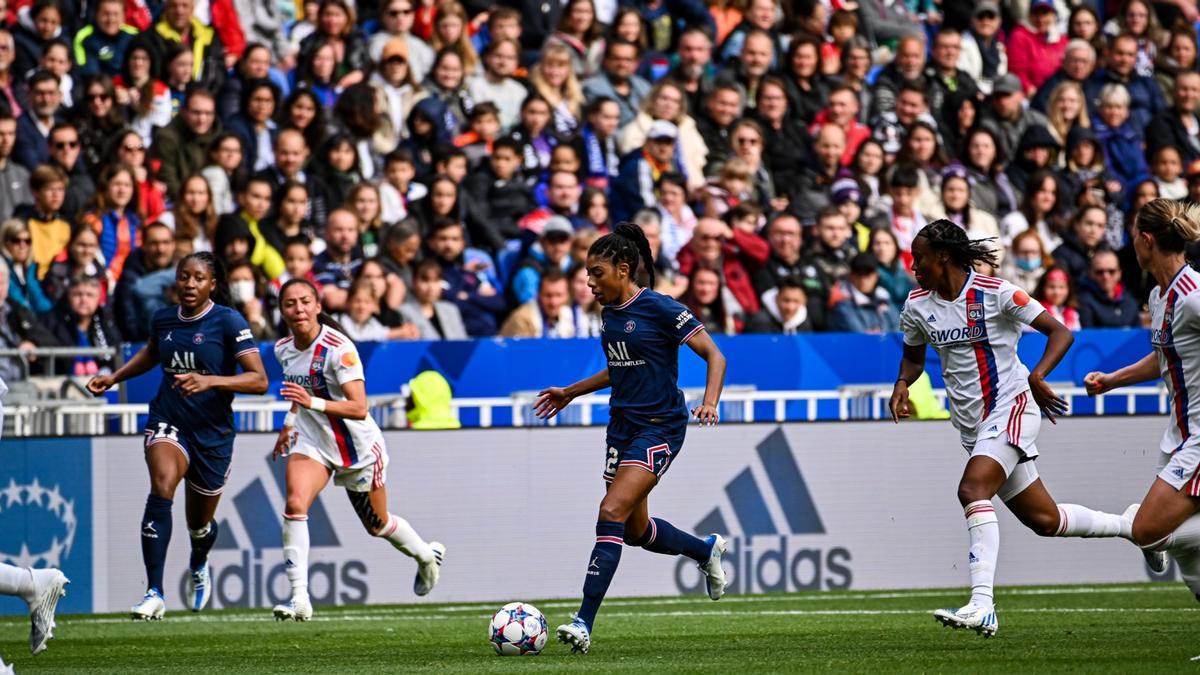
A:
350	359
1021	298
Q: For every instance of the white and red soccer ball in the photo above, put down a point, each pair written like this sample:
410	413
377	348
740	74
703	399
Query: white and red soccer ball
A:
518	629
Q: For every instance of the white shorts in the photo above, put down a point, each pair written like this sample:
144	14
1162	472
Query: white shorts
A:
1009	436
1181	469
368	473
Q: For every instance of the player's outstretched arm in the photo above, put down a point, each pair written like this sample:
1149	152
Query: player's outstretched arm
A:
912	364
1058	340
252	379
145	359
702	343
552	400
1144	370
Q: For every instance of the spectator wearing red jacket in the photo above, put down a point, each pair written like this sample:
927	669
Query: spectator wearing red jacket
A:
843	112
733	252
1036	49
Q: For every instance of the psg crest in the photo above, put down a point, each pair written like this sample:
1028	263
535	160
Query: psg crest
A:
198	338
629	326
975	311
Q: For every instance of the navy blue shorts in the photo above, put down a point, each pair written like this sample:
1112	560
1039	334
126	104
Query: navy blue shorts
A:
208	465
647	446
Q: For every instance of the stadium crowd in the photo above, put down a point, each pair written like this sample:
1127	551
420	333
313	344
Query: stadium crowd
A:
439	169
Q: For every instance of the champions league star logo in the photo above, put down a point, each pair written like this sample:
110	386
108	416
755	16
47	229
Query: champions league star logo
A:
48	501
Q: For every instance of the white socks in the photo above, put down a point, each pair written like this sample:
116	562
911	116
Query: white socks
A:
1184	546
406	540
984	532
1080	521
16	581
295	553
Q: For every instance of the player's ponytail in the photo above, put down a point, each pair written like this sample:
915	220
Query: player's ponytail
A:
1172	224
627	244
323	317
945	235
216	268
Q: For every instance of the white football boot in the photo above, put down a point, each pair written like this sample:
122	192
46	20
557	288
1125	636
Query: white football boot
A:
979	618
199	588
575	634
428	573
297	609
49	585
151	608
714	574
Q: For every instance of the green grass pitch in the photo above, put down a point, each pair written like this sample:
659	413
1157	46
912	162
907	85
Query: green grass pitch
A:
1125	628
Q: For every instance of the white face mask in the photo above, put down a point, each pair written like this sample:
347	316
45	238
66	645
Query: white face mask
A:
241	291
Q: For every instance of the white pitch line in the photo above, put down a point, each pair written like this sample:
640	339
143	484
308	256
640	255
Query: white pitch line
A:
393	615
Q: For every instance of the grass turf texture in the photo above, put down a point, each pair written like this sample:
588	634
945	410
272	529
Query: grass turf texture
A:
1143	627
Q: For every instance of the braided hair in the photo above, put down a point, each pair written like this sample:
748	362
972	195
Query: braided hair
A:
216	268
323	317
945	235
627	244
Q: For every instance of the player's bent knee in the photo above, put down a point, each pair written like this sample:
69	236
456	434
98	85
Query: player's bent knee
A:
1043	524
613	512
972	491
1147	533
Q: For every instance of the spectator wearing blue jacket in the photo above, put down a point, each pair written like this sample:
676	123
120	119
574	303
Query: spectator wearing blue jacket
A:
23	286
618	80
1147	100
636	185
1119	137
859	304
552	249
470	278
1103	300
100	46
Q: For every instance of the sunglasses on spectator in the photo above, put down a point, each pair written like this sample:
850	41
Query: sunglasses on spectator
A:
20	240
133	148
1106	271
99	97
746	141
986	15
400	12
397	60
63	145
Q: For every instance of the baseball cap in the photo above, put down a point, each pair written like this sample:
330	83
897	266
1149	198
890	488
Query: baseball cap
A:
396	47
557	227
662	129
1042	6
1007	84
985	7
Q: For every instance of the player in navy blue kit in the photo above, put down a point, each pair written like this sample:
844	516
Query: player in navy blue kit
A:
189	435
641	334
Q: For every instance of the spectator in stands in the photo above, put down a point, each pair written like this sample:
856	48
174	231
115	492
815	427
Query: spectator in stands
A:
396	21
1120	137
1147	100
667	101
733	253
884	21
752	65
549	315
1008	115
83	258
500	187
597	142
179	148
894	277
785	239
139	90
1056	291
1103	301
634	187
435	318
80	321
618	80
101	45
142	290
1039	211
585	309
827	259
24	288
178	24
551	251
336	27
715	120
695	71
19	329
396	84
336	266
1036	49
1179	57
842	112
1028	262
983	56
992	191
784	310
195	218
497	84
226	168
9	80
1082	241
469	277
786	139
908	68
47	224
677	218
943	74
956	206
255	124
263	25
65	154
806	86
1079	63
820	170
14	178
291	156
1179	126
361	318
859	304
708	300
43	113
113	218
891	128
254	203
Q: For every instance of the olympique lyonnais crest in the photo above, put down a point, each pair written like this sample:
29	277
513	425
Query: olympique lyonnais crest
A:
975	311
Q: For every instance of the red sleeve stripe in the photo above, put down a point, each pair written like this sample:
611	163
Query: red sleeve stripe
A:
695	330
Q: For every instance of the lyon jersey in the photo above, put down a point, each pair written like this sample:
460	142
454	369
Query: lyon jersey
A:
323	369
1175	335
976	336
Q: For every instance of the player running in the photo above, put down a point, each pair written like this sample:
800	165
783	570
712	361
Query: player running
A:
974	323
328	431
39	588
1167	520
641	334
189	434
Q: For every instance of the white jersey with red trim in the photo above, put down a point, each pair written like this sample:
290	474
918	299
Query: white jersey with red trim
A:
976	336
1175	335
329	363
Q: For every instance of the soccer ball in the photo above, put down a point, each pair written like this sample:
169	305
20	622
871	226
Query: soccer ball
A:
518	629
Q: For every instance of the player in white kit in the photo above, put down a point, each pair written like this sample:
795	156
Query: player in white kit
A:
974	323
1167	521
329	432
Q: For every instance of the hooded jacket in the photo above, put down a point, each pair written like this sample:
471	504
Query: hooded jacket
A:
768	319
421	146
1035	136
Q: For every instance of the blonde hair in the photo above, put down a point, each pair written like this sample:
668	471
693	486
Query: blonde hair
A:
1063	126
736	169
463	47
647	105
570	94
1173	224
1115	95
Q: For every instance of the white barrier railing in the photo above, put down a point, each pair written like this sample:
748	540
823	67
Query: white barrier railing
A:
854	402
